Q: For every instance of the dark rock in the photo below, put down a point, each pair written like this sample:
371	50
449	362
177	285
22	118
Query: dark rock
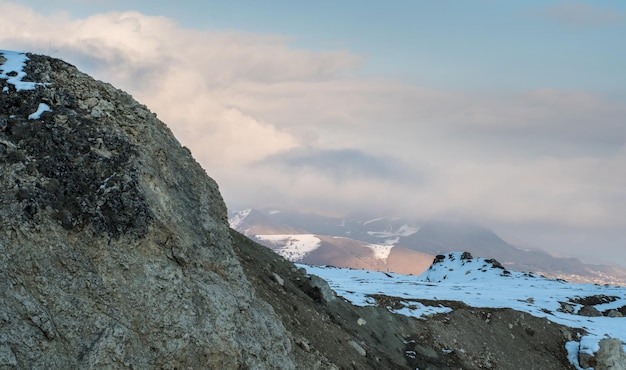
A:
589	311
566	307
594	300
466	256
613	313
495	264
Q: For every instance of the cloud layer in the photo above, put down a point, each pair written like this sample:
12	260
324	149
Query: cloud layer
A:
281	126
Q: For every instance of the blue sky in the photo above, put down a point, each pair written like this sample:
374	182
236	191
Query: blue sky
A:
505	113
467	45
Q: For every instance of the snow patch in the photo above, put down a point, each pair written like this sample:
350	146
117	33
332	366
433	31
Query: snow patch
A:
238	218
43	107
373	220
381	252
406	230
292	247
393	236
12	70
572	348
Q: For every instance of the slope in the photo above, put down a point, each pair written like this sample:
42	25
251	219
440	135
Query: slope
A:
597	311
428	238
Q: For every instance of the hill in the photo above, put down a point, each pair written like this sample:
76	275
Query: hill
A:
408	246
478	282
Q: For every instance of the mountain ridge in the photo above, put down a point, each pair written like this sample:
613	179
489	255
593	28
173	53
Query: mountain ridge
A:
429	238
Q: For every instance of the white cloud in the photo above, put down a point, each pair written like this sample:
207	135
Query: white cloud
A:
236	98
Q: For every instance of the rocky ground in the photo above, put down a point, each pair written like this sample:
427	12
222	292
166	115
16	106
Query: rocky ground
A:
489	338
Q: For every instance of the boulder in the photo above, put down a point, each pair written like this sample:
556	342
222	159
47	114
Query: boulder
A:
610	356
589	311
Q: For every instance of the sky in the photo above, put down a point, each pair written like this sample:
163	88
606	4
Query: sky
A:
509	114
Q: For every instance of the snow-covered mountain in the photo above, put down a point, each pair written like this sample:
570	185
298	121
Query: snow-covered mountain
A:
477	282
318	240
399	245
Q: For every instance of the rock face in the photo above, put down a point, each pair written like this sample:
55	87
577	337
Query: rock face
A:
610	356
114	244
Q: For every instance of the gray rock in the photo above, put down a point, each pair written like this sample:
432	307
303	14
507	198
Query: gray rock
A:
589	311
566	307
358	348
7	357
278	279
610	356
114	247
614	313
325	293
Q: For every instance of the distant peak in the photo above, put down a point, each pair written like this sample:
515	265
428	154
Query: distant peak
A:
238	217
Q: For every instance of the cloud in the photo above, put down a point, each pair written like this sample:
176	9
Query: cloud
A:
585	14
342	165
281	126
179	73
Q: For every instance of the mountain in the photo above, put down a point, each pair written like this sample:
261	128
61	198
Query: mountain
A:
408	246
319	240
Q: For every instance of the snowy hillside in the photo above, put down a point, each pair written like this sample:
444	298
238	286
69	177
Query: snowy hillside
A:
292	247
411	245
485	283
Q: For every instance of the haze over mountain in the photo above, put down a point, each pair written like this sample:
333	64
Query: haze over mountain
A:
399	245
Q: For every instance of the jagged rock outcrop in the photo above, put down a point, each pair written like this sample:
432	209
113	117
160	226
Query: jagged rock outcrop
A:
114	245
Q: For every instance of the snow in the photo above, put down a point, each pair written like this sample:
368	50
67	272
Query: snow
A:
572	348
106	181
374	220
478	283
13	71
42	108
238	218
380	251
406	230
392	237
293	247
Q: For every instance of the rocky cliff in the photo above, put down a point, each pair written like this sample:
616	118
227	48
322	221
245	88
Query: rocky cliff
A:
114	244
